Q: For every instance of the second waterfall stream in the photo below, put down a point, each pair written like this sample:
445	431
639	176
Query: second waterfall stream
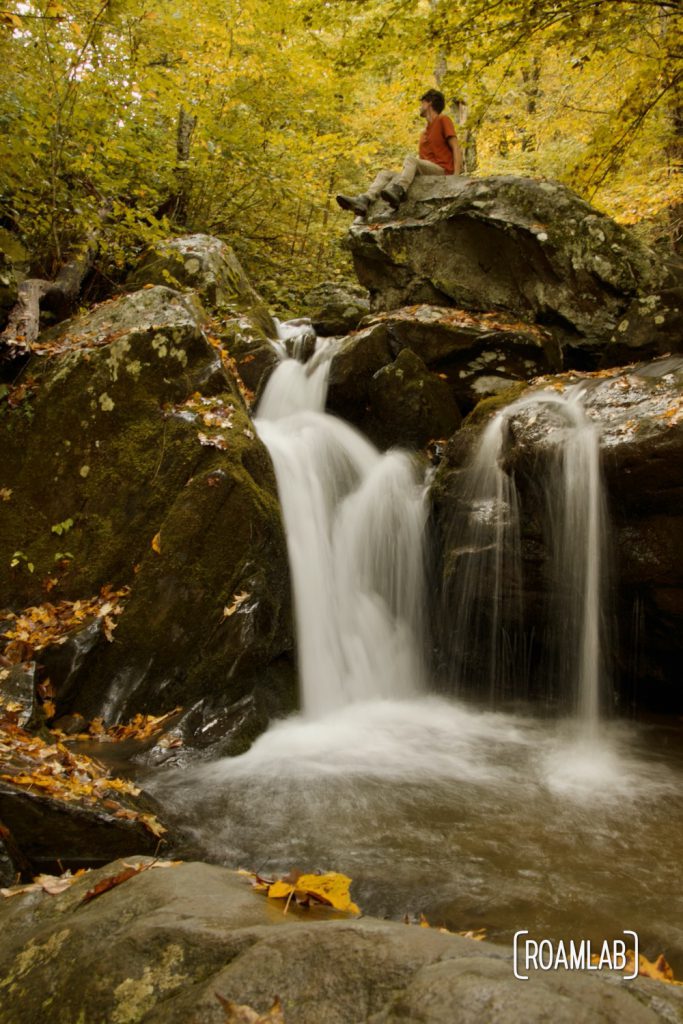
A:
355	523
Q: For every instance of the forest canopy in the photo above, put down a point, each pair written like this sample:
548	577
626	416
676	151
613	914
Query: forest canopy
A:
243	118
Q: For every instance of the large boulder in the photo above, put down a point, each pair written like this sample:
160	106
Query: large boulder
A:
208	267
639	412
409	406
531	248
131	460
653	322
336	308
165	945
477	354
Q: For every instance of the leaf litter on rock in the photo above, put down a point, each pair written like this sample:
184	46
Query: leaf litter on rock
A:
52	770
50	623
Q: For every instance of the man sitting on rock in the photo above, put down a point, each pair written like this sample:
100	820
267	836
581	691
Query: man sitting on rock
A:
439	152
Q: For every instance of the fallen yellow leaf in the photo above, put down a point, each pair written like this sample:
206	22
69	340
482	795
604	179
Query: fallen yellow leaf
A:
237	600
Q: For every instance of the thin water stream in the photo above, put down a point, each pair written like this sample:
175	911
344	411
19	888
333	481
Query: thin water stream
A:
475	818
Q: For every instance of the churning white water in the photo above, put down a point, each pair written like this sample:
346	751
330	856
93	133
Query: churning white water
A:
355	521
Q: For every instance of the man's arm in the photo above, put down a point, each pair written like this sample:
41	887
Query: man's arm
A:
457	154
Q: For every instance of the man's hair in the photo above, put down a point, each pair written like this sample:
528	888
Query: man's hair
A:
436	99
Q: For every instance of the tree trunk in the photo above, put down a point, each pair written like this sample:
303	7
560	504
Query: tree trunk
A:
35	293
176	206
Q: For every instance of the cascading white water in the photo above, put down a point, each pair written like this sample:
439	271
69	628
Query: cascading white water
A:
355	523
489	551
485	575
578	509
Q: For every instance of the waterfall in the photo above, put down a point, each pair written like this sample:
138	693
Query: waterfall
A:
484	578
486	571
578	519
355	522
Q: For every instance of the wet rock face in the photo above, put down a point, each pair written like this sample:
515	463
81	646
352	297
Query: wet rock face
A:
156	949
465	357
531	248
336	309
409	405
47	832
133	430
639	411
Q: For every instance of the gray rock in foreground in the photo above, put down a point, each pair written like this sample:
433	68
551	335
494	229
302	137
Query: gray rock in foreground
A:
160	946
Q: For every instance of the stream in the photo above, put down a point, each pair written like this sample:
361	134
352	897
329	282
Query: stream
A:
477	818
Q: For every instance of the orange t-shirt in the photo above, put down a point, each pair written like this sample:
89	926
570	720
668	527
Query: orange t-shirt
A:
434	145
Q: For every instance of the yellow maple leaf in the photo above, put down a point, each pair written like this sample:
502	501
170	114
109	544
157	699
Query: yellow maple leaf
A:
280	890
239	1013
156	543
332	889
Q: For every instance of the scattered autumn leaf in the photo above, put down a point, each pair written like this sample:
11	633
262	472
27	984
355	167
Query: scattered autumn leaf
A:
51	769
105	884
52	884
213	441
478	934
330	889
237	600
156	543
236	1013
128	871
658	969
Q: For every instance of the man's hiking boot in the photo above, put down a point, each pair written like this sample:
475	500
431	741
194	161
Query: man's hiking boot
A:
394	195
357	204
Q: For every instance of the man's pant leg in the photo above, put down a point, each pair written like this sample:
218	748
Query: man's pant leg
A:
380	182
413	166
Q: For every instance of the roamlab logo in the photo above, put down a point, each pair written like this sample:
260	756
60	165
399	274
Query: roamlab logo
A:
583	955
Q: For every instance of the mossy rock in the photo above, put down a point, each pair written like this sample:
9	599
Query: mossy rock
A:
335	307
409	405
210	268
133	430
